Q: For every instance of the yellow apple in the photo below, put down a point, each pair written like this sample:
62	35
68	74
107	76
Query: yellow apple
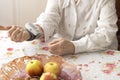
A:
48	76
52	67
34	68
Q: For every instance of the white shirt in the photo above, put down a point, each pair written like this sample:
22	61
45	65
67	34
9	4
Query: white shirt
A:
89	24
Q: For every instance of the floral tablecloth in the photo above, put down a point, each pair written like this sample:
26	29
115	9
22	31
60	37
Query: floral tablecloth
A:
104	65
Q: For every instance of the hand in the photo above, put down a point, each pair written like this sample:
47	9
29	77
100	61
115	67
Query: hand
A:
61	47
18	34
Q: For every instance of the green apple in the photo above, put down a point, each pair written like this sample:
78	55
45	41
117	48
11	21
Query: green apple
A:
48	76
34	68
52	67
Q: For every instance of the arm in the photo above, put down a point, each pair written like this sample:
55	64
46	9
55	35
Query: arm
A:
49	20
104	34
46	23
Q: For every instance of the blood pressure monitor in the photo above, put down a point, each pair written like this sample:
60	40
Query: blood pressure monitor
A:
34	32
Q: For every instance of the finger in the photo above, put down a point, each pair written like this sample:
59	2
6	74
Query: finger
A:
15	35
7	27
11	30
2	27
55	44
19	36
54	48
52	52
54	41
55	51
24	36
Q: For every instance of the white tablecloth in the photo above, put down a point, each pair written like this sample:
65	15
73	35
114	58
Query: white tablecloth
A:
104	65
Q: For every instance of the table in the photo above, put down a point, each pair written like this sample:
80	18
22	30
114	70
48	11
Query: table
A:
103	65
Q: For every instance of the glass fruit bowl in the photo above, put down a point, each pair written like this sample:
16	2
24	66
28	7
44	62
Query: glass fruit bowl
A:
15	70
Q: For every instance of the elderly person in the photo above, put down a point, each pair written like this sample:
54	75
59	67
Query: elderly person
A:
78	25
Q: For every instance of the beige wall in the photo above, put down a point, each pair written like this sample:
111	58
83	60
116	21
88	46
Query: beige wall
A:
18	12
6	12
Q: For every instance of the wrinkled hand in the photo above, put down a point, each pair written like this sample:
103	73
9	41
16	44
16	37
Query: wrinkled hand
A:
61	47
18	34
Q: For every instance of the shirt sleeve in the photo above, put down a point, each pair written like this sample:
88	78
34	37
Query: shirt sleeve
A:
49	19
105	32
